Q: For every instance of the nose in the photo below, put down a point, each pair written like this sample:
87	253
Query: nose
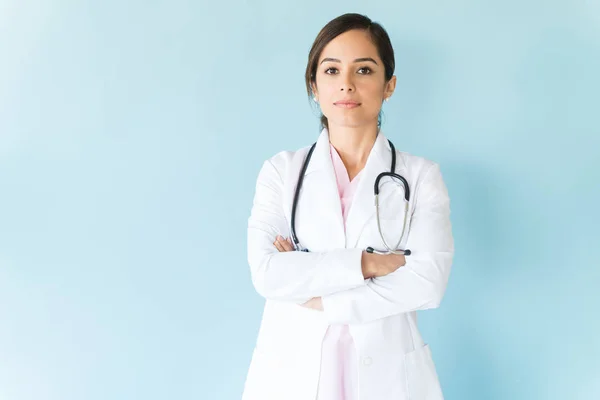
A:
347	84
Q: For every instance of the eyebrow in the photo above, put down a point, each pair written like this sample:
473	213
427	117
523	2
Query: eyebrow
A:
356	61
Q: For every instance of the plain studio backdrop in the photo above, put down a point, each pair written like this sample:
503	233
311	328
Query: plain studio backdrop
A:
131	135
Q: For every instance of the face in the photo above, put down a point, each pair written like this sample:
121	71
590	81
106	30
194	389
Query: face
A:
350	81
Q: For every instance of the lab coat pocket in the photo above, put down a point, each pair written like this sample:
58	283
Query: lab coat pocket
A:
421	376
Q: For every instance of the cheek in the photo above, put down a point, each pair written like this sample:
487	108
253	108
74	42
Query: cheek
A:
372	97
328	92
371	91
327	97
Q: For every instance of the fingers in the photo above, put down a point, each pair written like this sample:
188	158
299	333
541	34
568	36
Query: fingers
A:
315	303
283	244
400	260
278	245
286	244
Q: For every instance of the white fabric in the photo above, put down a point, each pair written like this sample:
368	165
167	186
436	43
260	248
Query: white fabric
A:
394	362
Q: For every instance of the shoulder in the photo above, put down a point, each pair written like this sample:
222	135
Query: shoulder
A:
425	174
284	158
416	165
280	164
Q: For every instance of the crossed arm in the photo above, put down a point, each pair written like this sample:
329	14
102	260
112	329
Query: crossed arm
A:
335	282
285	244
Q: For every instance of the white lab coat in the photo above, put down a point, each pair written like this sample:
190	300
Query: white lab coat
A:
394	361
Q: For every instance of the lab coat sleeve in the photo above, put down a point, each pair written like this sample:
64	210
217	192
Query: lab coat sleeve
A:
419	284
292	276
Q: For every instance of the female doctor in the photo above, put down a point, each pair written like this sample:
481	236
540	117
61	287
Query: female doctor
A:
340	321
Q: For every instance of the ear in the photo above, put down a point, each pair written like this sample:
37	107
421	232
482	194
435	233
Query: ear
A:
390	87
315	92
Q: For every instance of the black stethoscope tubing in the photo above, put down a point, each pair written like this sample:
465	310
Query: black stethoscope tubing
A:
391	174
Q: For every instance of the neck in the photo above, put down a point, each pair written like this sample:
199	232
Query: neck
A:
353	144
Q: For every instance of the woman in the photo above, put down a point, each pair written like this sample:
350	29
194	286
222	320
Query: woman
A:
340	322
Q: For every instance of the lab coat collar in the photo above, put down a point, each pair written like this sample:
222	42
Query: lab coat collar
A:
380	154
363	204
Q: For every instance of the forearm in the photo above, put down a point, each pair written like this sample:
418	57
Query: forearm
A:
419	285
372	266
299	276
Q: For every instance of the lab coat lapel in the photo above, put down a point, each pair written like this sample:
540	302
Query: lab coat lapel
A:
363	204
319	205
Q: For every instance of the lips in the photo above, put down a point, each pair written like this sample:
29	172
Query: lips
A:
346	104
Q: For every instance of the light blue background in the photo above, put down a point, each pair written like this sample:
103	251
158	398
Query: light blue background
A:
131	135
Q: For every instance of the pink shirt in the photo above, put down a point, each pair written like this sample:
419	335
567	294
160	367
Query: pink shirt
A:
338	379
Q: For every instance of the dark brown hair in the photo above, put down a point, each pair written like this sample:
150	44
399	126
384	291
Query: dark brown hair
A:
336	27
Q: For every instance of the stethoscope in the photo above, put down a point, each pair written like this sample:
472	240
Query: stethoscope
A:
392	174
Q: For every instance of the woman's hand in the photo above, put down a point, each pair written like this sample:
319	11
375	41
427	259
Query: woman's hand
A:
377	265
315	303
284	245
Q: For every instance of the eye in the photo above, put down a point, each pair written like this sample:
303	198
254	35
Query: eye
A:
364	70
331	71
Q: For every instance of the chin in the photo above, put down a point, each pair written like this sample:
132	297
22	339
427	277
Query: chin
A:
352	122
